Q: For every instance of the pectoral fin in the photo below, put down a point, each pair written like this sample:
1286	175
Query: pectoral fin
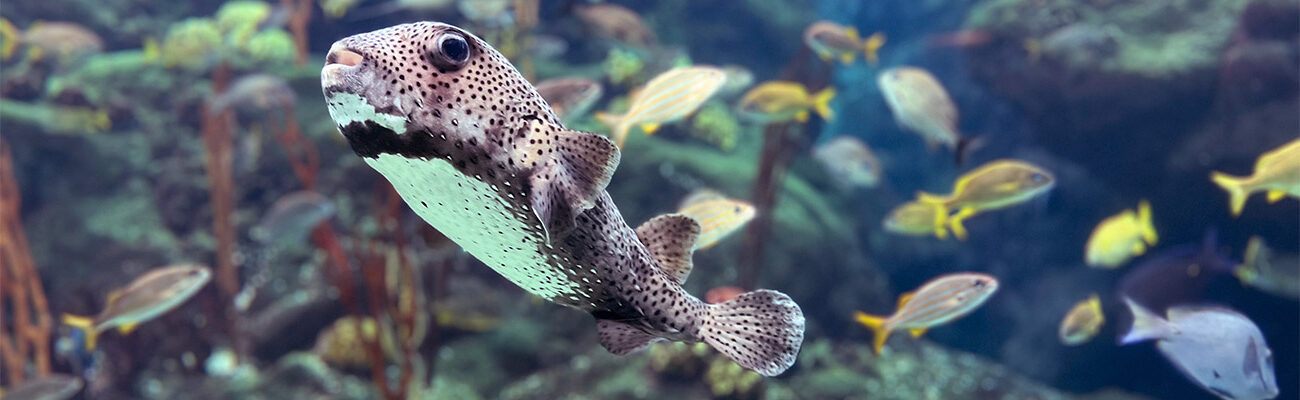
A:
572	173
1275	195
650	128
917	332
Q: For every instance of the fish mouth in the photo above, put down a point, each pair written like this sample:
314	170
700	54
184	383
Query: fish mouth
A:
341	63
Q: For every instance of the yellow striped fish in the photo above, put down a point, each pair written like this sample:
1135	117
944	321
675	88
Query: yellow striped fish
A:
937	302
718	215
669	97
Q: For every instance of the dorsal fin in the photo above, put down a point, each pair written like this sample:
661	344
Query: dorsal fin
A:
670	238
572	170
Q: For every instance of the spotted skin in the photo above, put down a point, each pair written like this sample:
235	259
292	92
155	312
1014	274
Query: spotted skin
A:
478	154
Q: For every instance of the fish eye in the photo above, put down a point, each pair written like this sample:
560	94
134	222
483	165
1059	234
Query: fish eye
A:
452	50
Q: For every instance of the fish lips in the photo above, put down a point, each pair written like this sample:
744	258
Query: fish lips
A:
343	69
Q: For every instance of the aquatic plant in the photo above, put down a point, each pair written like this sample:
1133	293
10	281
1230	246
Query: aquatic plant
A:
189	43
24	337
239	19
299	18
714	123
622	66
272	46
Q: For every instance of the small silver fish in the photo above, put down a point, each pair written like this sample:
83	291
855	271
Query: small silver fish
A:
291	217
255	93
920	104
50	387
147	297
849	161
477	153
1219	349
937	302
570	97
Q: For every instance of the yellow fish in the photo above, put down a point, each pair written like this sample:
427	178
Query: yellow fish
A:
920	104
1278	275
670	96
998	184
1083	322
1121	237
831	40
780	101
718	215
937	302
1276	172
63	39
147	297
913	218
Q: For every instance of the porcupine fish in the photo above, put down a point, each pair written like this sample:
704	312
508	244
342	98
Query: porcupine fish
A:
479	155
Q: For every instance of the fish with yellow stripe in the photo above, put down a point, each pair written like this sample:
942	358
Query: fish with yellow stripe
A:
937	302
998	184
717	214
669	97
781	101
147	297
1277	173
831	41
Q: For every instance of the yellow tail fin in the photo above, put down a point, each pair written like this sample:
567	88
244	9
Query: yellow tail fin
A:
86	325
822	103
871	48
1236	193
1144	220
940	204
877	326
9	33
618	128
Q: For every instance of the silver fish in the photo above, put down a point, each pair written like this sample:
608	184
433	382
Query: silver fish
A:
570	97
51	387
475	151
1219	349
291	217
147	297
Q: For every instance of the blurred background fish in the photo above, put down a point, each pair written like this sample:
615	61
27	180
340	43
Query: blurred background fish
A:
850	161
148	296
1277	173
1120	237
780	101
669	97
570	98
998	184
833	41
935	303
1263	269
1082	322
717	214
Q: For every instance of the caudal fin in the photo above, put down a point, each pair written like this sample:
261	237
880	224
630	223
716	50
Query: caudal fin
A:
877	326
86	325
618	129
822	103
1146	325
1144	220
761	330
1236	192
8	33
940	204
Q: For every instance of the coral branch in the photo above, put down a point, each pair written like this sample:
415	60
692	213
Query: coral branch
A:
24	336
299	18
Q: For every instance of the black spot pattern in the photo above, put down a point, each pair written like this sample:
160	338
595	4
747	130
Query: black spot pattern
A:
514	161
670	239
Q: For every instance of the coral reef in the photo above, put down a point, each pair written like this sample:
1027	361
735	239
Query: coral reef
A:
25	336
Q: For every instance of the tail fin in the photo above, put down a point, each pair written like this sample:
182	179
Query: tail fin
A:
1144	220
877	326
822	103
871	48
965	146
9	33
86	325
940	204
1146	325
1234	186
618	129
761	330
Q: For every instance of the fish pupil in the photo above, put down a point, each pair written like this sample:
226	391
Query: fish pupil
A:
455	48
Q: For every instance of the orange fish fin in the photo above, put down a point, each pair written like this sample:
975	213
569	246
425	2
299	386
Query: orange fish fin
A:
650	128
85	325
904	298
127	328
877	326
